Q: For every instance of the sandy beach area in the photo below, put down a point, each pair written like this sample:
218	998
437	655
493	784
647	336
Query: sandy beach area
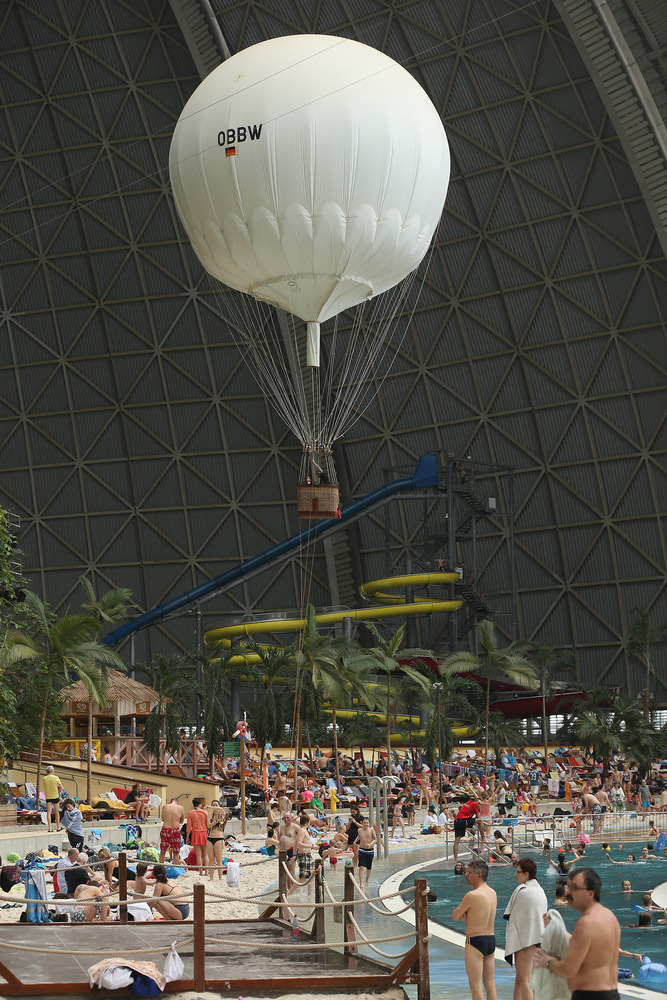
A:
257	873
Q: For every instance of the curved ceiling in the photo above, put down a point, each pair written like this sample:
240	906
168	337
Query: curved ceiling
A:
134	442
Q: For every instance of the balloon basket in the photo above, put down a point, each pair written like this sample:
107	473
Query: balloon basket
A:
317	501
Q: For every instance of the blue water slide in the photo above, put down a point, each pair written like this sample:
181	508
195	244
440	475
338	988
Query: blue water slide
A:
425	475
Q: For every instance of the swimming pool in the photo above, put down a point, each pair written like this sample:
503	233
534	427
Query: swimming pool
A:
643	875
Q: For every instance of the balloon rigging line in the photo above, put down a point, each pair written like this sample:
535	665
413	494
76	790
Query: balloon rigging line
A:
255	333
430	259
167	128
408	322
291	404
366	391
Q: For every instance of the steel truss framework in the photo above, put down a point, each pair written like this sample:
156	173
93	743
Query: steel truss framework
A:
135	443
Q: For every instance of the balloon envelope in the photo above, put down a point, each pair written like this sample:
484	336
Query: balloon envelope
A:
311	172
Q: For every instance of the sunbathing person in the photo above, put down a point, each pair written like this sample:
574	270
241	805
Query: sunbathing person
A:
164	887
99	911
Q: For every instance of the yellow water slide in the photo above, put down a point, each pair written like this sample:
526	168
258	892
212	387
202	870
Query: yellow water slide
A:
394	606
346	715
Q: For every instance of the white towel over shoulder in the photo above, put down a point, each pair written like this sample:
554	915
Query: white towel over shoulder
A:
525	910
555	941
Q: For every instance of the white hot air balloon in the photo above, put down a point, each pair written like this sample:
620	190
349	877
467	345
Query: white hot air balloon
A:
310	172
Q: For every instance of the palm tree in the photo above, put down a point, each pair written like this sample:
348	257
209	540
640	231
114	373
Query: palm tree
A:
173	686
593	700
643	636
619	727
361	732
268	715
110	607
550	661
502	732
320	658
57	649
217	673
509	662
388	658
456	700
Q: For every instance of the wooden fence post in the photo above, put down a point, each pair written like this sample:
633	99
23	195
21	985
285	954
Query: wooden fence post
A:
349	936
421	929
122	887
319	934
200	939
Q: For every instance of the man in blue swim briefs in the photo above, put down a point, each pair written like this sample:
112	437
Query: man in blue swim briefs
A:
478	909
591	962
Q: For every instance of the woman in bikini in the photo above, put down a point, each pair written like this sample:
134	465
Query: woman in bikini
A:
272	840
217	821
165	887
109	865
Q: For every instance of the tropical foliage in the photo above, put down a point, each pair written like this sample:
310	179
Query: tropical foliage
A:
645	635
457	702
56	650
216	677
332	668
619	728
173	686
111	607
389	657
505	662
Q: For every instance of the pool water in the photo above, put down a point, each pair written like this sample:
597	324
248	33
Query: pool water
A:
643	876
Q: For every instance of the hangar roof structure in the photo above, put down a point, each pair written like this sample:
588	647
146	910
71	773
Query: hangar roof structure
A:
137	447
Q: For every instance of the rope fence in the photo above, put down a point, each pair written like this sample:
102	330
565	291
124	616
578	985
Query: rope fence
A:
409	965
303	945
187	897
377	909
163	950
375	941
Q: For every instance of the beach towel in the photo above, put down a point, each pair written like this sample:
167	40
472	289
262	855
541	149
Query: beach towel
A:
524	912
555	941
35	888
146	969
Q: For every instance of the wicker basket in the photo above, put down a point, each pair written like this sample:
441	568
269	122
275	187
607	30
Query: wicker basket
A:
317	501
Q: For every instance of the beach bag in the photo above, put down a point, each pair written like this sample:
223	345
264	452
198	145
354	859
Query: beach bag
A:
173	966
144	986
172	871
233	874
9	876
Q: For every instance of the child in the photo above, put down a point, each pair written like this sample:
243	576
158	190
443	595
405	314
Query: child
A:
366	841
397	816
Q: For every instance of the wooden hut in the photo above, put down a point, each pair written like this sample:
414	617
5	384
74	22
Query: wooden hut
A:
121	719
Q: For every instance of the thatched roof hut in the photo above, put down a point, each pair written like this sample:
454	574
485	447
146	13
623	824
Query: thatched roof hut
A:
124	714
125	697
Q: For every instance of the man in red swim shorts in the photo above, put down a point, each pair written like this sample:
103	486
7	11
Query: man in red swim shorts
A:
173	818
